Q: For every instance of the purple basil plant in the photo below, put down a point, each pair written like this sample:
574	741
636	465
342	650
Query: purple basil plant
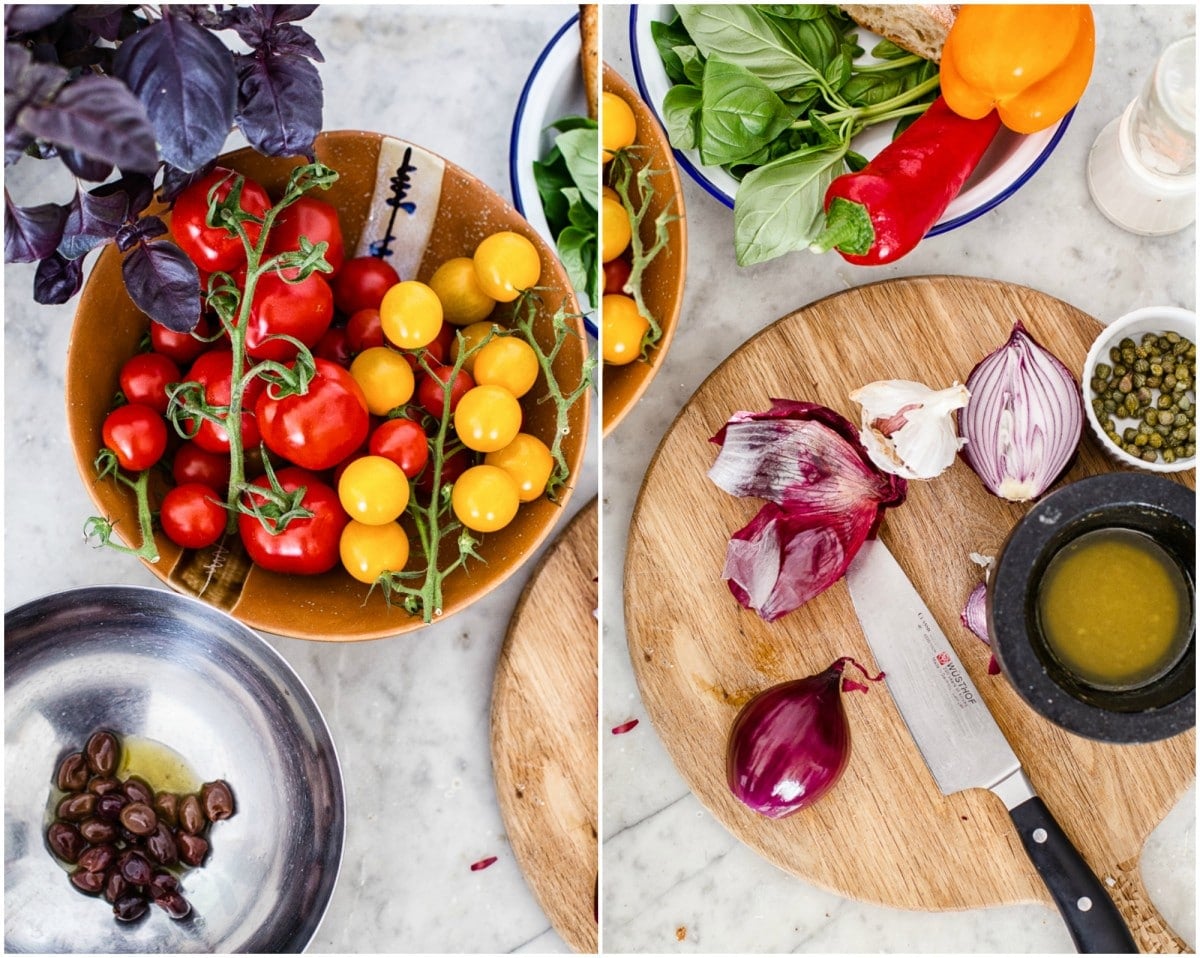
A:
138	99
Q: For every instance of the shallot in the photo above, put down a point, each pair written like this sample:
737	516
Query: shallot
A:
825	498
1024	419
790	743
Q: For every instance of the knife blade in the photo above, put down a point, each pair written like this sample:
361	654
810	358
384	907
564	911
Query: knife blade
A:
963	746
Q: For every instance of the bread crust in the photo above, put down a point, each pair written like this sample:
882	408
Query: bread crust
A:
918	28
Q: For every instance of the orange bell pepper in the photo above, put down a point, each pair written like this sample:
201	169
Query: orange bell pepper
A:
1029	62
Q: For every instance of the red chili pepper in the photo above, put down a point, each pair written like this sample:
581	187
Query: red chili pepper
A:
880	213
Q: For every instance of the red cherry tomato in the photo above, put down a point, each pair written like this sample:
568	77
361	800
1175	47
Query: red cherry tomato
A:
181	348
431	389
334	346
304	546
301	310
452	467
213	371
137	434
312	218
402	441
193	515
361	284
145	377
616	274
214	248
321	428
364	330
194	464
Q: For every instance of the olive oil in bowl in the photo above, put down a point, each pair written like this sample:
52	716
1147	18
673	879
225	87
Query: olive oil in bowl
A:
1115	608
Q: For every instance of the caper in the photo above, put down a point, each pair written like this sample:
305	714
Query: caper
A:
1129	434
1168	455
1151	416
1141	440
1156	441
1103	371
1149	455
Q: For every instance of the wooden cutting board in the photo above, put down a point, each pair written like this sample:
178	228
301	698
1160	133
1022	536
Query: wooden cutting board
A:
544	747
885	834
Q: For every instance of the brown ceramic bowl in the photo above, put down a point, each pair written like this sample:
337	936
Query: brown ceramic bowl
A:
662	283
333	606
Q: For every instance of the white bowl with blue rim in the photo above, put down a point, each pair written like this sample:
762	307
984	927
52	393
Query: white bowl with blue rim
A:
553	90
1008	163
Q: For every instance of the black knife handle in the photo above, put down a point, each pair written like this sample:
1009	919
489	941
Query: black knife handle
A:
1092	919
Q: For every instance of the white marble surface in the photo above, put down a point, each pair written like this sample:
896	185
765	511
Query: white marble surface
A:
410	714
668	865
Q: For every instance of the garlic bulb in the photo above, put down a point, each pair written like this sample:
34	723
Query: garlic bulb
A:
907	428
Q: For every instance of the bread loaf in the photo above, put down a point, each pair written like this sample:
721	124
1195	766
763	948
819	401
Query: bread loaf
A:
918	28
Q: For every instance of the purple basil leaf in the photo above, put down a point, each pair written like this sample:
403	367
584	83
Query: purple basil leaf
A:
138	190
164	284
57	279
201	14
184	76
85	167
263	26
16	142
175	181
92	221
26	81
105	20
287	38
279	103
139	231
31	233
27	17
97	116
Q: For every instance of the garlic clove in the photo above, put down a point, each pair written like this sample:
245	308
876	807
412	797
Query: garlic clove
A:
907	428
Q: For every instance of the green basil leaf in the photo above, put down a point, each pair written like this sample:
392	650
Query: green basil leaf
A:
839	70
668	36
824	132
868	89
681	115
818	41
886	50
551	176
744	35
580	149
779	207
855	161
739	113
577	249
581	214
693	63
568	123
796	11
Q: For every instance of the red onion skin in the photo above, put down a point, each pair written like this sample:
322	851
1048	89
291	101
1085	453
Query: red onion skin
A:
789	744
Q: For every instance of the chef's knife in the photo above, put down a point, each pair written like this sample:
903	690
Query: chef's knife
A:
964	747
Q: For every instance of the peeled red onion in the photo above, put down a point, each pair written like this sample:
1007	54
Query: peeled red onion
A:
790	743
1024	419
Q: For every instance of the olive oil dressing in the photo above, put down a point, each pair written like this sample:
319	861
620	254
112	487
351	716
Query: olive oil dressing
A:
1115	608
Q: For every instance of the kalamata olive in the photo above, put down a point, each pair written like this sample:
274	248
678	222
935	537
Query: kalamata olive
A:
96	831
76	807
108	807
90	883
138	790
217	800
136	867
160	845
191	815
72	773
115	885
162	883
103	753
174	904
98	858
65	841
166	807
139	818
192	848
103	784
130	907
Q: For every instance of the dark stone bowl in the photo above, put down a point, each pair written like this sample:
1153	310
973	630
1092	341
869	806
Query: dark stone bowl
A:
1151	504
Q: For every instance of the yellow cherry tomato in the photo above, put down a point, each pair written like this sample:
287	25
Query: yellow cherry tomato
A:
485	498
505	264
369	551
411	314
487	418
373	490
615	231
527	459
618	125
385	377
506	361
457	286
468	338
621	329
610	193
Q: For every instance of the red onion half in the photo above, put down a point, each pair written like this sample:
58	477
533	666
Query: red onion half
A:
790	743
825	498
1024	419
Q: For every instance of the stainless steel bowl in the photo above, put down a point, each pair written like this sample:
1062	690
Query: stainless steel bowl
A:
158	665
